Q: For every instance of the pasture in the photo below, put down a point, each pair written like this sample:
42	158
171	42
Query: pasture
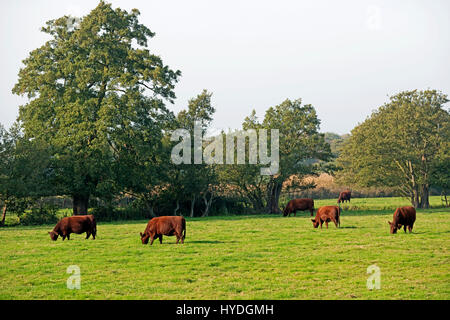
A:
236	257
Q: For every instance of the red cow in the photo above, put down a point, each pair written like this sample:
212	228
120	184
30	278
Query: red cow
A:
167	226
345	196
75	224
327	214
404	216
299	205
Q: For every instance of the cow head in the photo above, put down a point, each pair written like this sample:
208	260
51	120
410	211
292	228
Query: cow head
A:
144	238
394	227
315	223
285	212
53	235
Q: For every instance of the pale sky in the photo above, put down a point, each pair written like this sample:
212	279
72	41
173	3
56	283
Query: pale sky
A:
343	57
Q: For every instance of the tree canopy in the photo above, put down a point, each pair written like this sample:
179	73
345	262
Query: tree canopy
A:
96	95
399	144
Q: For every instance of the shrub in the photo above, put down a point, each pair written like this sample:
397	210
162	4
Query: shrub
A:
45	214
109	213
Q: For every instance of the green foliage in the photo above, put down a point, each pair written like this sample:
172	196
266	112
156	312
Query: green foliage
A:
199	109
300	141
194	181
398	145
44	214
336	144
301	150
109	213
22	170
440	169
96	97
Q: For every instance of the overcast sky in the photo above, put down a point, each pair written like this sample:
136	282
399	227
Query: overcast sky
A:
343	57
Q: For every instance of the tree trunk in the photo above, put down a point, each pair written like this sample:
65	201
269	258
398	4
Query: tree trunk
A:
176	208
425	197
150	210
80	205
192	206
207	204
425	188
415	198
415	189
5	206
274	191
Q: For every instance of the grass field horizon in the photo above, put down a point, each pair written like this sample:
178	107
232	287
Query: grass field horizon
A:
236	257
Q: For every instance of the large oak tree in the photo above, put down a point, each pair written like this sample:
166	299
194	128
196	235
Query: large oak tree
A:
96	95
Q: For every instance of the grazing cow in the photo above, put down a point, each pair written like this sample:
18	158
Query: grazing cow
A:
345	196
327	214
164	226
75	224
404	216
299	205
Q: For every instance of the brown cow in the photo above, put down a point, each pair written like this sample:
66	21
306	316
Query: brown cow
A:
167	226
404	216
327	214
75	224
299	205
345	196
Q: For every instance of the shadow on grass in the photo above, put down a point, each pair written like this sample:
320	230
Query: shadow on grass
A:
195	242
208	241
423	232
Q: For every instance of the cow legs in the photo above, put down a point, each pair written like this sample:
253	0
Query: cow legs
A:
404	228
64	237
335	222
326	223
160	239
179	234
151	240
88	234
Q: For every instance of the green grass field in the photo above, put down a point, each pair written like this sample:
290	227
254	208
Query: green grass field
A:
236	257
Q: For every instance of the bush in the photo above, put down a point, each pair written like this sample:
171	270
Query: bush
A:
108	213
45	214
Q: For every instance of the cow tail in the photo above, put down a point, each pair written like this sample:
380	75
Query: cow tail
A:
184	229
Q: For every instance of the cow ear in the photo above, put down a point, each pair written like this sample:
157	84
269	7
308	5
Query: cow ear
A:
313	220
141	234
389	222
